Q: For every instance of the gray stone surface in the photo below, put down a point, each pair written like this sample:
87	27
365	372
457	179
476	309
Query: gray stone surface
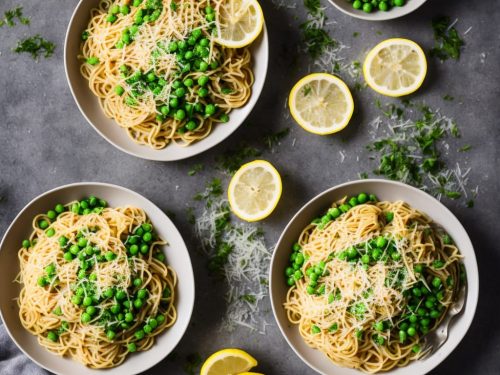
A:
45	142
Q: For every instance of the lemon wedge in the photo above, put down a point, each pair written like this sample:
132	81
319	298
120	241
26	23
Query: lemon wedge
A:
228	362
321	103
254	190
395	67
240	23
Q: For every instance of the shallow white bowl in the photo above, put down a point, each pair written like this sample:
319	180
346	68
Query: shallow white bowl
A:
384	190
88	103
176	254
395	12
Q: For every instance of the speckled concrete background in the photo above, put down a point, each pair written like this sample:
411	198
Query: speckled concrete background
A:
45	142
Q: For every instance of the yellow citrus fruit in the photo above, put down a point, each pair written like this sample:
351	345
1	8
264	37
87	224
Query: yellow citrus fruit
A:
321	103
395	67
240	23
254	190
228	362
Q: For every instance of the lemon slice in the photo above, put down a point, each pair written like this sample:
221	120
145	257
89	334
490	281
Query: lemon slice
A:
240	23
395	67
228	362
321	103
254	190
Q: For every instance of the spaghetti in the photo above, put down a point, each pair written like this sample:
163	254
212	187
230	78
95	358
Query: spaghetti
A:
369	280
94	283
157	71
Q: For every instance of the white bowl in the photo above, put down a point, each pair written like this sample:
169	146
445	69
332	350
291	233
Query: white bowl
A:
176	254
88	103
395	12
384	190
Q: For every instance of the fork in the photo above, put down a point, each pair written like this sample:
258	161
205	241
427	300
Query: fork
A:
434	340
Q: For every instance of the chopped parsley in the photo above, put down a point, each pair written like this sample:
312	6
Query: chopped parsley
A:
36	46
195	169
447	42
465	148
315	38
213	189
193	360
231	160
11	15
226	90
448	98
411	151
273	139
248	298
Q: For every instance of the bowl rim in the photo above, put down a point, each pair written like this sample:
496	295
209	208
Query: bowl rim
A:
474	276
257	90
369	16
127	190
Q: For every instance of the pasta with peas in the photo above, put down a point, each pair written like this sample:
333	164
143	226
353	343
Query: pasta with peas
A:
369	279
95	286
157	70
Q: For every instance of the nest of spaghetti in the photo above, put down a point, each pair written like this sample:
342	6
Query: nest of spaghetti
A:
158	72
369	279
95	286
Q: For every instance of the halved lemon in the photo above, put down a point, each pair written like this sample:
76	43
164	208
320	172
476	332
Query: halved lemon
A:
395	67
240	23
228	362
254	190
321	103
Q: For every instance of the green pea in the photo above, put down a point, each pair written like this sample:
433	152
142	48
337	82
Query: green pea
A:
362	198
310	290
352	252
180	115
82	242
365	259
91	310
126	304
389	216
436	282
42	281
26	244
418	268
142	293
421	311
429	304
344	207
383	6
395	256
134	249
153	323
87	301
81	274
129	317
290	281
138	303
447	240
413	318
43	224
379	326
381	242
93	277
51	214
203	80
151	77
353	201
188	82
124	9
109	256
74	249
50	269
224	118
52	336
137	282
121	295
68	256
59	208
202	92
119	90
435	314
109	293
210	109
411	331
115	309
139	334
191	125
144	249
438	264
85	317
298	275
110	334
203	66
160	319
210	17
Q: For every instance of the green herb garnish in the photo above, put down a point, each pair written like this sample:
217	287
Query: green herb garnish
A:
195	169
36	46
447	42
248	298
231	160
273	139
11	15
